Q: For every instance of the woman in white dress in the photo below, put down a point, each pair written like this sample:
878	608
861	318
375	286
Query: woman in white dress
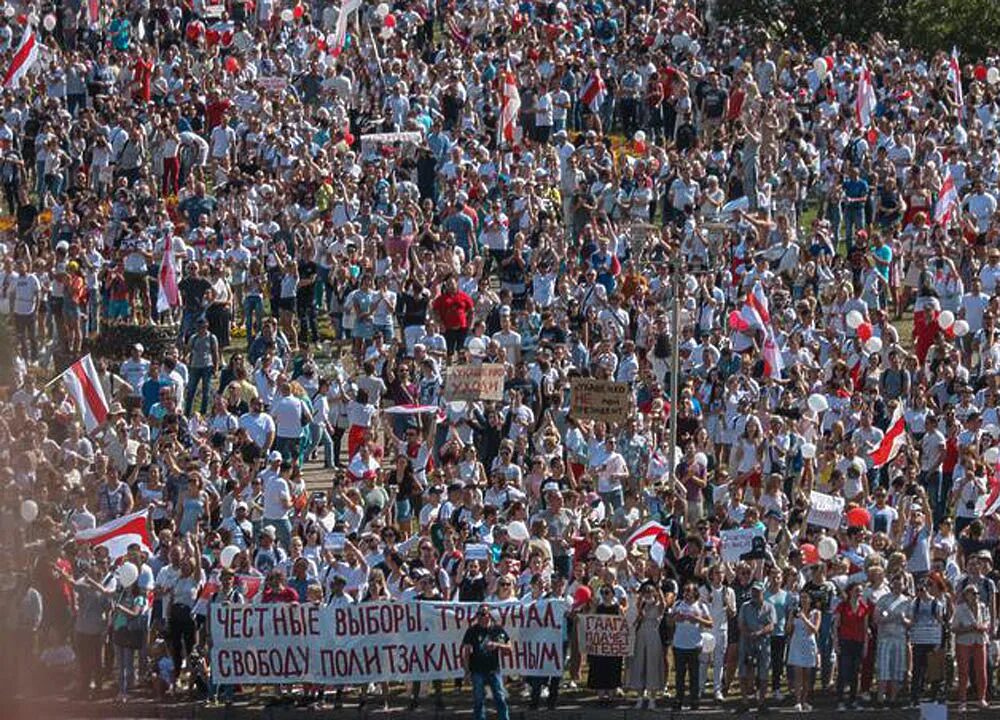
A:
802	649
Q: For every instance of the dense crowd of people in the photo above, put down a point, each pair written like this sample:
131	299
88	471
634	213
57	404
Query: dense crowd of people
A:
333	207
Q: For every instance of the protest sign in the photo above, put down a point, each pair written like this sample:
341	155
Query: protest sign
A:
273	84
737	543
602	400
477	551
335	540
605	635
373	642
825	510
475	382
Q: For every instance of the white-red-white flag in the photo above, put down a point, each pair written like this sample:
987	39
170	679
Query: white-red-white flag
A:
654	536
593	92
510	106
84	386
955	78
992	504
340	31
94	12
865	100
118	534
947	201
892	441
167	295
24	58
774	363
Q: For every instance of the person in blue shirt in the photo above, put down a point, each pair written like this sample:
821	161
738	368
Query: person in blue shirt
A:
855	199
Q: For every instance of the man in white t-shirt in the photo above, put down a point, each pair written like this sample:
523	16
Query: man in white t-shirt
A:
135	370
290	415
259	426
611	474
277	498
25	294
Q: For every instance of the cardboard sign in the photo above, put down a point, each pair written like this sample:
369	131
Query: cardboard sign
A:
602	400
737	543
605	635
272	84
825	510
475	382
477	551
335	540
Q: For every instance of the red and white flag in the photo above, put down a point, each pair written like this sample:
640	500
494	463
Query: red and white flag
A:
94	12
773	362
757	299
992	504
168	295
947	201
118	534
84	386
24	58
955	78
593	92
340	31
654	536
510	106
892	441
864	101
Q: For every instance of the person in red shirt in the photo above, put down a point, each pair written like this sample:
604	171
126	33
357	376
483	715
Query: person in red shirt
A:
277	591
850	623
454	308
142	77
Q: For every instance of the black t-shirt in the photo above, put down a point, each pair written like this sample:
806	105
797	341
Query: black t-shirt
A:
307	271
192	290
483	660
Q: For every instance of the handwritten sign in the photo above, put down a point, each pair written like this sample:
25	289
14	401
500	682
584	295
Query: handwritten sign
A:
335	540
477	551
602	400
605	635
825	510
737	543
272	84
475	382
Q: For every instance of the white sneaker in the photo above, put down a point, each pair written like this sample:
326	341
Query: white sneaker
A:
798	707
545	692
963	708
525	692
571	685
807	707
718	697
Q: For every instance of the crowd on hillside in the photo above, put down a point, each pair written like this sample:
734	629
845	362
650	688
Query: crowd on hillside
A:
334	206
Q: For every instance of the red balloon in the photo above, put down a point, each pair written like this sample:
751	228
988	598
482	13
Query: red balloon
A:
194	31
212	37
22	19
349	137
864	331
390	21
809	553
980	73
321	44
829	62
232	65
298	11
858	517
582	595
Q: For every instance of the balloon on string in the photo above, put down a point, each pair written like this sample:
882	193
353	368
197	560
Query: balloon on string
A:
640	136
979	72
390	21
29	511
232	65
9	11
620	553
827	548
194	31
946	319
864	331
582	595
817	403
854	319
991	455
993	76
604	552
873	345
127	574
701	459
960	328
808	451
517	530
228	555
810	555
829	62
858	517
382	10
298	11
992	430
819	65
49	22
287	15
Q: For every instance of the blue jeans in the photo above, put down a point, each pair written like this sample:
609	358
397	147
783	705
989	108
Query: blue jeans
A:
253	308
126	668
854	220
288	447
319	436
189	323
204	376
479	682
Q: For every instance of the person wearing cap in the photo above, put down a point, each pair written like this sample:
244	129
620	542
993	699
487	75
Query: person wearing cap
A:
135	369
481	647
756	620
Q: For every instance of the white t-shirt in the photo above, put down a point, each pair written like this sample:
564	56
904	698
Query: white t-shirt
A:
288	412
26	292
275	490
258	427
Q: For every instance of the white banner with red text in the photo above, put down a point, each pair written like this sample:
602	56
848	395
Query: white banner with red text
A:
373	642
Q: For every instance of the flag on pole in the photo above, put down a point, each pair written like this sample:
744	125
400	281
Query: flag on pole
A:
773	362
510	106
992	504
118	534
652	535
593	92
955	77
84	386
93	12
892	441
167	296
947	201
24	58
865	101
340	31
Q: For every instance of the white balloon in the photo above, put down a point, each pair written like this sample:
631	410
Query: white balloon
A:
946	319
993	76
960	328
619	552
127	574
385	33
382	10
287	15
517	530
49	22
640	136
808	451
228	555
817	403
701	459
9	11
819	65
29	511
991	456
707	638
873	345
604	552
992	430
827	548
854	318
